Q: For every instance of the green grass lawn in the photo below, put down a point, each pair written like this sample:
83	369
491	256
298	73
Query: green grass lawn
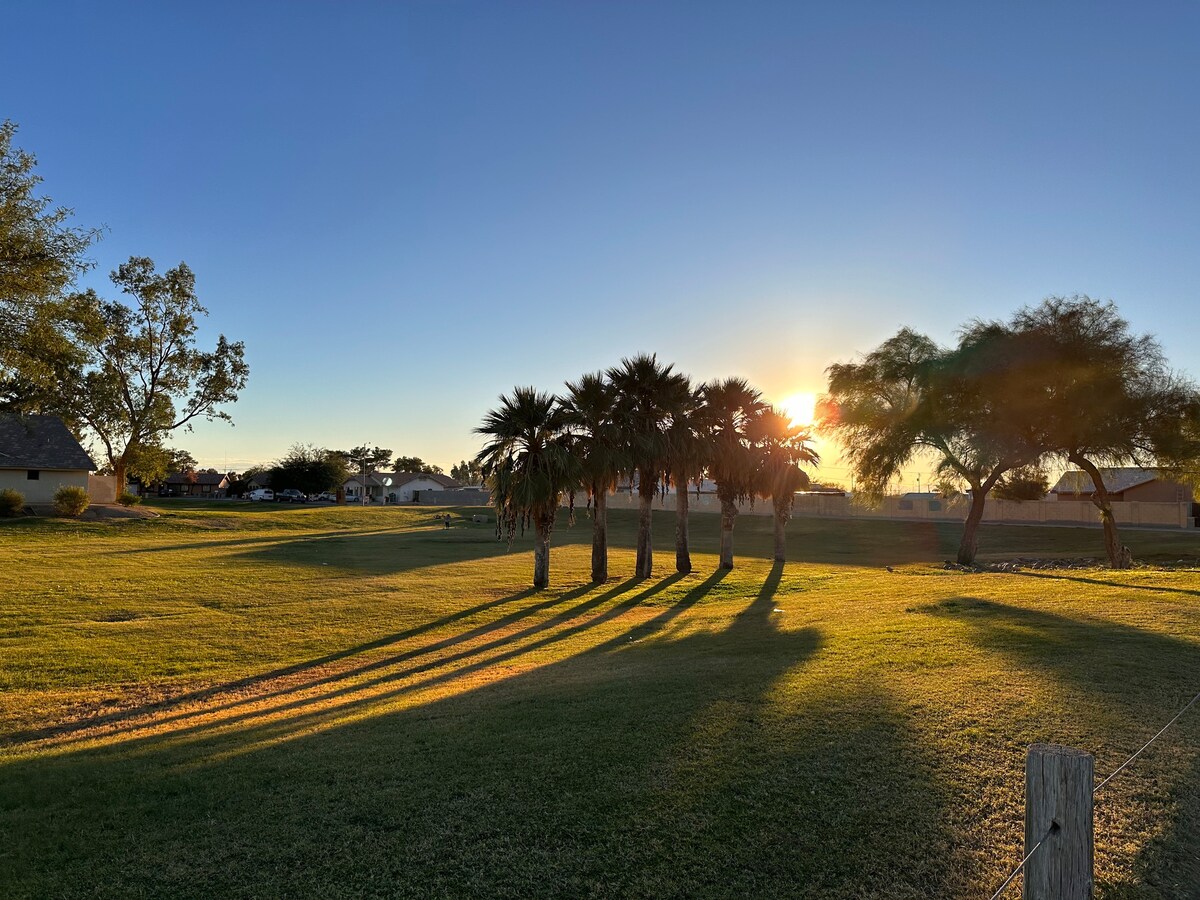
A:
256	700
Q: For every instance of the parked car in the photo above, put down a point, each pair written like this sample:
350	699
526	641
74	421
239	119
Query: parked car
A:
326	495
290	495
261	494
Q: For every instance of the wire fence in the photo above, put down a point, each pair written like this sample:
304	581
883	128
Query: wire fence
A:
1004	885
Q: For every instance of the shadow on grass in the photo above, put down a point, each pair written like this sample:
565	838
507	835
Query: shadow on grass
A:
1122	585
1146	675
1095	655
642	765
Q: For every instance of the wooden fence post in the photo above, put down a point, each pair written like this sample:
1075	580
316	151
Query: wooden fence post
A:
1058	807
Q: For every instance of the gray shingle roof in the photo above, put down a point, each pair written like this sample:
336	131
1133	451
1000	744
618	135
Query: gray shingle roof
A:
40	442
1115	480
399	479
214	478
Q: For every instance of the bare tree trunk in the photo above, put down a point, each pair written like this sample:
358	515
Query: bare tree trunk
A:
645	544
729	512
120	472
1119	556
600	536
781	519
541	555
683	555
969	545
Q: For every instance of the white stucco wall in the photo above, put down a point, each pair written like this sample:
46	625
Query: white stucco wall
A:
405	493
49	480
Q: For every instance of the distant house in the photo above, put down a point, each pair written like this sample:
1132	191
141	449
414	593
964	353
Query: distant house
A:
395	487
195	484
1125	484
38	455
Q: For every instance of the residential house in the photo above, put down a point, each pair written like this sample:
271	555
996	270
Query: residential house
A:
1124	484
395	487
38	455
195	484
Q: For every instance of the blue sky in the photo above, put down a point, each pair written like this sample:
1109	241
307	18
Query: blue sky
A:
405	209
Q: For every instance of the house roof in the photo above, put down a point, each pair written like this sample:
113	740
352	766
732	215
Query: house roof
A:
214	478
399	479
1115	480
40	442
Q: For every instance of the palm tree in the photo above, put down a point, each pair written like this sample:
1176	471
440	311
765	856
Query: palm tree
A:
589	409
732	406
528	465
782	447
645	389
687	455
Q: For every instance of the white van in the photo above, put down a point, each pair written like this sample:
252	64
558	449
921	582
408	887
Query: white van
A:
261	494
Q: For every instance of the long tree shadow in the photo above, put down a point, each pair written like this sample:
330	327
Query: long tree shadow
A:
1135	681
1121	585
164	706
648	765
1132	665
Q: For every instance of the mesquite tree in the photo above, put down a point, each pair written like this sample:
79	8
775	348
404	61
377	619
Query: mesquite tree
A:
910	396
140	374
1092	393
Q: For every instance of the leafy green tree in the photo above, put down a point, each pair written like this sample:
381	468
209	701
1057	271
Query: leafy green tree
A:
309	469
366	460
782	448
589	409
152	462
416	464
908	397
645	390
529	466
141	375
467	472
41	255
732	406
1093	394
1025	483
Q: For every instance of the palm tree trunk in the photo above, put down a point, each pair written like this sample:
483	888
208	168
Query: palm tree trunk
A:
645	544
1119	556
683	555
780	534
600	536
728	514
541	555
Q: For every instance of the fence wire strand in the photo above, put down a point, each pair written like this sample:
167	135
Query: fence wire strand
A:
1117	771
1141	749
1017	871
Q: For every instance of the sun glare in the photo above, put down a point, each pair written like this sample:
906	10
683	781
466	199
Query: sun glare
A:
801	408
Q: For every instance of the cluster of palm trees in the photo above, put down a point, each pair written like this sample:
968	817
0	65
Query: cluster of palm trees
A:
644	423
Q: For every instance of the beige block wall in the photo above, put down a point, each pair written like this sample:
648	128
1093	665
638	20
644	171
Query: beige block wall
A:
102	488
42	490
1159	515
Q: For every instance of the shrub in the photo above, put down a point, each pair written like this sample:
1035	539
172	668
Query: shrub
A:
127	499
11	502
70	500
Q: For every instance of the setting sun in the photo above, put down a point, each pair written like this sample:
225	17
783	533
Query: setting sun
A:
801	408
